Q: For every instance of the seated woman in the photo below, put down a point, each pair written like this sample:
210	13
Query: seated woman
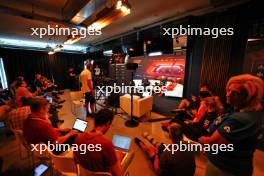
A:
164	162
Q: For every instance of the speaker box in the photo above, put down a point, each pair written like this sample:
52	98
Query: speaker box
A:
131	66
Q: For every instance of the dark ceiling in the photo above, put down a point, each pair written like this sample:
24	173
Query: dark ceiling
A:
18	16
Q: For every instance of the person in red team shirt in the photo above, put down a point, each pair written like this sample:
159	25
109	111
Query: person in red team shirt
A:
103	158
37	127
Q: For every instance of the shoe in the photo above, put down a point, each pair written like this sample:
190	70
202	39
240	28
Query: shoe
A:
147	136
58	106
88	114
167	123
138	141
60	121
151	139
61	101
60	92
165	129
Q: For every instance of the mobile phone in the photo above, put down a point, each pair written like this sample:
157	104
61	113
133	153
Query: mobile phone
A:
40	169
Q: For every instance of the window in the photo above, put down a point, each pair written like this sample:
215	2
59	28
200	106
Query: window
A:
3	75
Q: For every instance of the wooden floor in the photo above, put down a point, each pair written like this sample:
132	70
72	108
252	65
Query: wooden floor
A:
9	148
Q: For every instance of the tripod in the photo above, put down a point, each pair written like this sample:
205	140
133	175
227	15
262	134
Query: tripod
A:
132	122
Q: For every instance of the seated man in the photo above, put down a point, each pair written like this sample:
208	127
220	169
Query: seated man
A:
38	84
196	128
18	115
164	162
13	87
38	129
23	91
104	160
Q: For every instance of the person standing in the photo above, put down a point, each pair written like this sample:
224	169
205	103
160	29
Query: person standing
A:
71	79
87	88
97	71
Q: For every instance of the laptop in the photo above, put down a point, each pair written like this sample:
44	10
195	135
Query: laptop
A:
40	169
49	98
122	143
80	125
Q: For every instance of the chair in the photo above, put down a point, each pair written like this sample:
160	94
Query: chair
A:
141	106
176	92
76	101
20	137
42	157
64	164
85	172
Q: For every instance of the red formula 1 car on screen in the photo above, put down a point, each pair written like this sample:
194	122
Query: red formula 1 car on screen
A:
167	69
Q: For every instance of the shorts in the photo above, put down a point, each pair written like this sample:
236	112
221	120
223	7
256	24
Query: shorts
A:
89	98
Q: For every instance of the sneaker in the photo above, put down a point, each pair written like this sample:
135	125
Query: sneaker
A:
60	92
60	121
151	139
88	114
61	101
138	141
147	136
165	129
57	106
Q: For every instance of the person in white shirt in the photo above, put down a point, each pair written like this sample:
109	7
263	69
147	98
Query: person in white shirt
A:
97	71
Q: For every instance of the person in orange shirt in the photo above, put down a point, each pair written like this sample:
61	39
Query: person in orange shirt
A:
87	89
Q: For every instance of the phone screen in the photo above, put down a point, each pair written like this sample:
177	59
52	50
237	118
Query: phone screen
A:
40	169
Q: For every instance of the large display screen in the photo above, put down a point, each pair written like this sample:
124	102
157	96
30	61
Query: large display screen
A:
165	70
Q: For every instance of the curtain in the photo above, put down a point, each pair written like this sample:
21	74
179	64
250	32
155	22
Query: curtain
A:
215	60
27	63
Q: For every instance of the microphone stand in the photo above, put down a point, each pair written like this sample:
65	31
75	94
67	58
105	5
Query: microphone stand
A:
132	122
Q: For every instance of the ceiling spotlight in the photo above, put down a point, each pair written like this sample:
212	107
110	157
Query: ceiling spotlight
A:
51	52
119	5
58	48
124	6
72	39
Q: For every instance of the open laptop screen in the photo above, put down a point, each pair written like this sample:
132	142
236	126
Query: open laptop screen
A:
80	125
121	142
49	98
